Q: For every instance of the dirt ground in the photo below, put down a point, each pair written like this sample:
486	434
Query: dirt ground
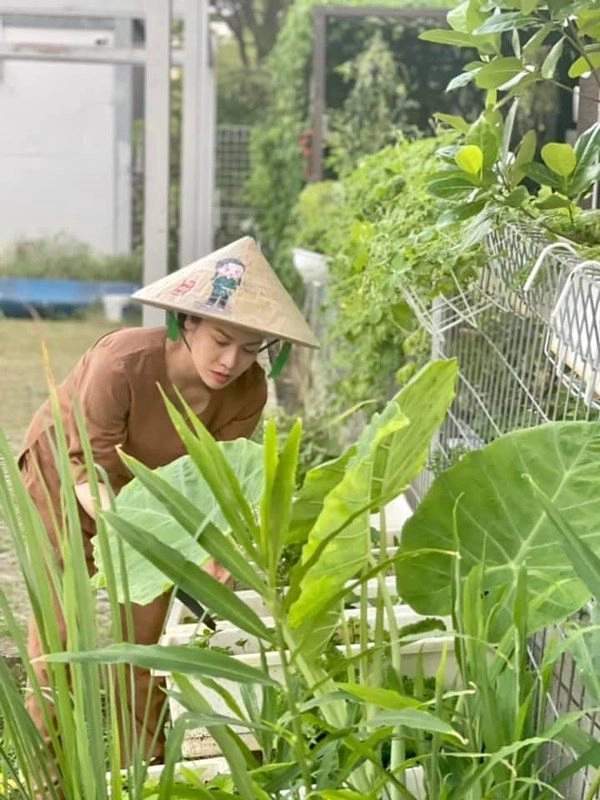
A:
23	387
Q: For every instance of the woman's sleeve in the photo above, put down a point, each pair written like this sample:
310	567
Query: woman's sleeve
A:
103	397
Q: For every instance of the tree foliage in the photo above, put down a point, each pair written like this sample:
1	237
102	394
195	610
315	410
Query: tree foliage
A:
254	25
277	175
495	166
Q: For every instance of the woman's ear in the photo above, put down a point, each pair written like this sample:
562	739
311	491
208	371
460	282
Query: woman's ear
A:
188	322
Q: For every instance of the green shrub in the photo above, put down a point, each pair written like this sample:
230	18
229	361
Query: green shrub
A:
379	227
277	175
62	256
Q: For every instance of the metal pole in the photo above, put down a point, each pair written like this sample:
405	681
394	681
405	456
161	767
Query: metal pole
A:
196	147
24	51
123	82
112	9
156	148
208	164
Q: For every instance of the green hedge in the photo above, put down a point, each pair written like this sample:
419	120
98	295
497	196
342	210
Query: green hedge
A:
379	225
62	256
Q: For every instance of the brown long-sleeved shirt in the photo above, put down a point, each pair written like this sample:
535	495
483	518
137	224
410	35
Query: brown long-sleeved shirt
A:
115	385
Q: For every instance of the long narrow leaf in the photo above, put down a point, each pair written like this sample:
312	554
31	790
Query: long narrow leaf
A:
217	472
225	552
389	454
193	580
227	744
187	660
280	506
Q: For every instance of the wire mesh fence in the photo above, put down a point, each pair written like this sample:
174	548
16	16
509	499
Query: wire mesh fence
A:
232	212
527	342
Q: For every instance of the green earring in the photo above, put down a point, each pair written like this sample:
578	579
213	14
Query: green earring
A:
173	330
279	362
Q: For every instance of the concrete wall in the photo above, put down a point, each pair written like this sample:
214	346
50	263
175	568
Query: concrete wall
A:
65	152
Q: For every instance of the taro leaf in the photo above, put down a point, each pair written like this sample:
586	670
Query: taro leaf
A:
586	652
136	504
500	523
389	455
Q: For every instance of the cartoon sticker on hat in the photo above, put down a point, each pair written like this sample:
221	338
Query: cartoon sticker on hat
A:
227	278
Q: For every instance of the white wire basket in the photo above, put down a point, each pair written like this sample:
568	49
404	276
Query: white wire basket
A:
525	271
573	339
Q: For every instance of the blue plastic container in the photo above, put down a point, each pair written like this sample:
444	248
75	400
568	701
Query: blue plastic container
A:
55	297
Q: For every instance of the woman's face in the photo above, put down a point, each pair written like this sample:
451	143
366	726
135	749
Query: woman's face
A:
221	352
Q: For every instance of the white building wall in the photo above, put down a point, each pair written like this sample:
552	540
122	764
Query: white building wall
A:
61	166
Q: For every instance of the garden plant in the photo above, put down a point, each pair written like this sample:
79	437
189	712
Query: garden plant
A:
347	728
495	166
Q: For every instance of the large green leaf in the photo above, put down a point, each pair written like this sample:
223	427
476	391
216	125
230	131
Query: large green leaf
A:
497	72
500	523
318	482
587	150
584	64
390	453
451	184
445	36
509	21
137	504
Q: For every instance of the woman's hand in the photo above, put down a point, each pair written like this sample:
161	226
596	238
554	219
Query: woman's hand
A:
218	572
83	491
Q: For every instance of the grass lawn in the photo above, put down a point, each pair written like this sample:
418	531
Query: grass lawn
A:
23	388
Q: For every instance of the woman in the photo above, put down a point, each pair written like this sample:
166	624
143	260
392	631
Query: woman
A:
222	310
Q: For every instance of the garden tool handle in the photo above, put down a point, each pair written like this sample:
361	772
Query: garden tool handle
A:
196	608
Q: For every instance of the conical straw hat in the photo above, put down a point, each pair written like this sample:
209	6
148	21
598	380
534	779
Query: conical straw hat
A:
236	284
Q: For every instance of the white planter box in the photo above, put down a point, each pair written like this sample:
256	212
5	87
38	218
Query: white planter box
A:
421	656
209	768
206	768
396	514
239	642
175	621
